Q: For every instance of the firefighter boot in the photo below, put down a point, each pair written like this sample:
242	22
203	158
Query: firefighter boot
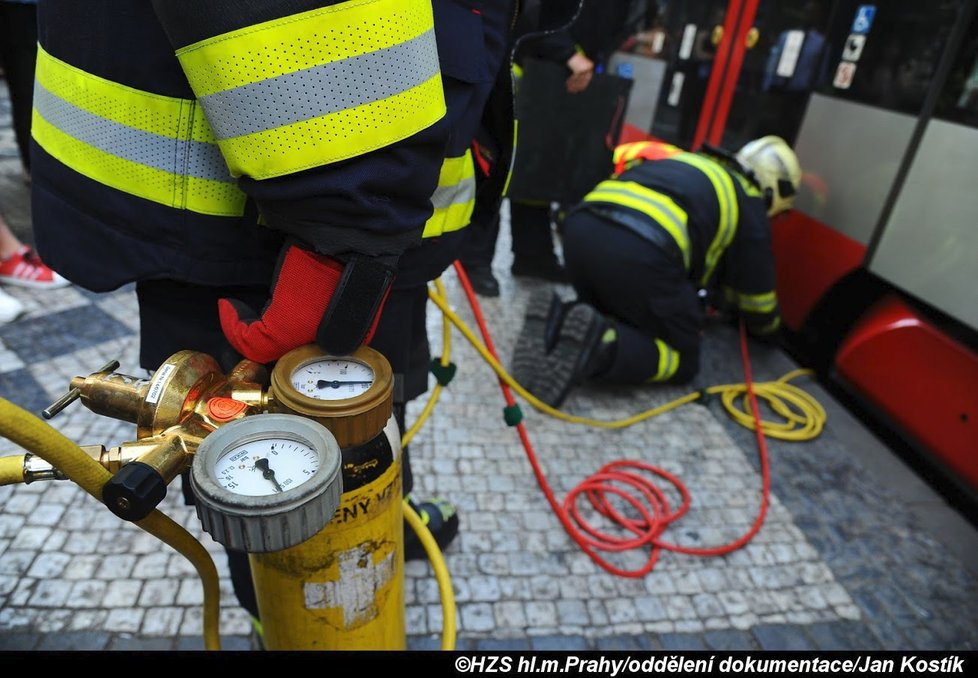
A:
545	313
440	517
584	348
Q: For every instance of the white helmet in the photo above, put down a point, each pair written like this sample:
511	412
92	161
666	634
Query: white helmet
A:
775	168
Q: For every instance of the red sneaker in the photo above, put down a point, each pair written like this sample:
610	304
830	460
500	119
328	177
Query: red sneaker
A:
25	269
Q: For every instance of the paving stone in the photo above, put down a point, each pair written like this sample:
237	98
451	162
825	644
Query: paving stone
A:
681	641
86	620
126	620
30	538
841	636
510	614
12	642
131	644
541	613
82	567
631	642
48	565
782	637
162	621
503	645
47	337
476	617
87	593
572	612
122	593
51	593
76	640
563	643
729	640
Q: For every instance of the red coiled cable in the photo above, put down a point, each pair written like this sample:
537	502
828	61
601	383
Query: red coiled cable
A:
633	482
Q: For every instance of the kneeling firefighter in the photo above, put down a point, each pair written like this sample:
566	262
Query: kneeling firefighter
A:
640	247
229	157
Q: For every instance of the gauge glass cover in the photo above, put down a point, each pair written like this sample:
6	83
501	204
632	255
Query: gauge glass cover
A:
332	378
266	466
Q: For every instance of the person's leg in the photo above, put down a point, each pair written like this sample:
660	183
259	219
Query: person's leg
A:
532	242
176	316
18	56
402	338
479	248
636	320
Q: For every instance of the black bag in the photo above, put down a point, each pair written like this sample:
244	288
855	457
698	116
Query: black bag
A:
565	141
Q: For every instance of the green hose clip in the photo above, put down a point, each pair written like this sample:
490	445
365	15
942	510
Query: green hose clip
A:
443	373
512	415
706	397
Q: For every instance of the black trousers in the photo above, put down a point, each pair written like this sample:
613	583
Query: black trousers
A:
18	56
642	288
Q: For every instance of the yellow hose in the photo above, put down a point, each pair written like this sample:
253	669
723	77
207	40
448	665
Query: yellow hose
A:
446	335
441	575
804	416
12	470
34	435
446	592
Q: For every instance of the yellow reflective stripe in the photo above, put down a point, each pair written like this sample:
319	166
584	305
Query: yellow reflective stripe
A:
334	137
668	362
448	219
301	41
145	111
509	171
771	326
204	196
729	209
653	204
627	151
262	86
758	303
454	199
148	145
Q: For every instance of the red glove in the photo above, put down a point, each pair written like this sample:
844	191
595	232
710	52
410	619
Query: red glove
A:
314	298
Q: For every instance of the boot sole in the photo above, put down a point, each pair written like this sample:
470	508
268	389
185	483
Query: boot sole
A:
565	366
530	352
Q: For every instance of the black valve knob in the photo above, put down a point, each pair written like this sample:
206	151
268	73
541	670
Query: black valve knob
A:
134	491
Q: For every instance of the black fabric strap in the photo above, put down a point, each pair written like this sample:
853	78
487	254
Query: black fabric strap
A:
354	305
190	21
643	227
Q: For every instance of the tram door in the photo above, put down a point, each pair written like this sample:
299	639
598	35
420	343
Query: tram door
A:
785	59
693	31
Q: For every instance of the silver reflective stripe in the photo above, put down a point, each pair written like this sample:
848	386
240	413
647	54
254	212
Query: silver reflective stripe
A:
182	157
649	199
456	194
321	90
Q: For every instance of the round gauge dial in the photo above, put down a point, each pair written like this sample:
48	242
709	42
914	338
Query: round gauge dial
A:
351	395
266	466
331	378
266	482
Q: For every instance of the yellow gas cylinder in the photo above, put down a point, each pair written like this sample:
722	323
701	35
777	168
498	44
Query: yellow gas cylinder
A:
344	587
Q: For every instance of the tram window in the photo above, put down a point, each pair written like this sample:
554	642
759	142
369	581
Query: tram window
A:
889	55
958	101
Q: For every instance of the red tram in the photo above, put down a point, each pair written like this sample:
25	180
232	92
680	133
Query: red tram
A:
878	263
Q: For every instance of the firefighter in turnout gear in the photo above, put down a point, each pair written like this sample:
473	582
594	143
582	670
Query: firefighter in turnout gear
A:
641	247
261	171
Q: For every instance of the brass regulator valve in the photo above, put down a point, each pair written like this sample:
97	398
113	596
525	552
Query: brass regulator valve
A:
174	410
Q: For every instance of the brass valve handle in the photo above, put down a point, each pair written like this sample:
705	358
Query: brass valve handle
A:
75	392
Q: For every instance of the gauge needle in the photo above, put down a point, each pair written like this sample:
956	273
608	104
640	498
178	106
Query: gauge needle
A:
336	383
267	473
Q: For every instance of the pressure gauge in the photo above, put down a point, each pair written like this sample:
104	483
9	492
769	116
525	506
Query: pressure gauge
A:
329	378
267	482
350	395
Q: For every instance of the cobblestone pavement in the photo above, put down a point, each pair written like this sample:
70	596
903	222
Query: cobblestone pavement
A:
856	552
